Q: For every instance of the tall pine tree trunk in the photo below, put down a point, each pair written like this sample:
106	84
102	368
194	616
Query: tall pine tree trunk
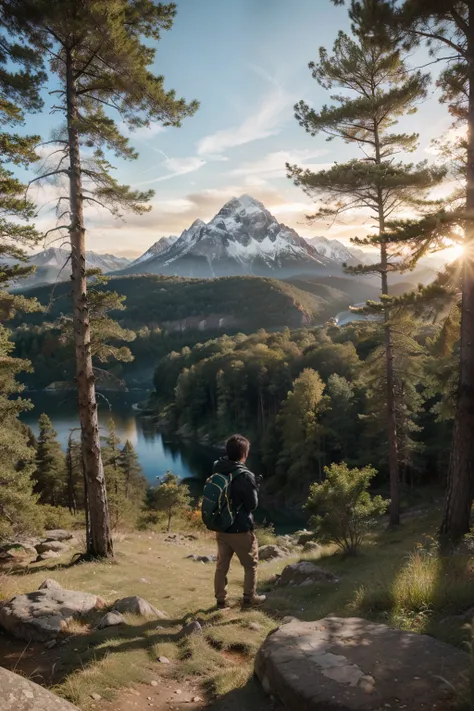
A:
394	476
460	490
100	543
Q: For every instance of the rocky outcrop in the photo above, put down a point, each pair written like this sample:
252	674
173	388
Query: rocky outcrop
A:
44	614
138	606
19	694
270	552
351	664
305	573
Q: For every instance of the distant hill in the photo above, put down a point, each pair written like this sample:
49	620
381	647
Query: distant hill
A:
345	291
225	304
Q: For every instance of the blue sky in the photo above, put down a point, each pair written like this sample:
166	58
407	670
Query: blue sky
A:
246	62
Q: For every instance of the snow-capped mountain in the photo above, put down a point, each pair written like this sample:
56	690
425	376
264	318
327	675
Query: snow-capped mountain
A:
57	257
155	249
52	264
333	249
243	238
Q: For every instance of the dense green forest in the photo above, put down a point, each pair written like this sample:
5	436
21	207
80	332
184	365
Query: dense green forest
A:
309	397
168	313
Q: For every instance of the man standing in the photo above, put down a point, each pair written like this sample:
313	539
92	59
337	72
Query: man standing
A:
239	494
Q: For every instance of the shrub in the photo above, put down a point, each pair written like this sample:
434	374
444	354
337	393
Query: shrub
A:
265	534
342	509
56	517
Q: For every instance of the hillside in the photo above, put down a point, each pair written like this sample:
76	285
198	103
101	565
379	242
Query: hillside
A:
336	290
227	303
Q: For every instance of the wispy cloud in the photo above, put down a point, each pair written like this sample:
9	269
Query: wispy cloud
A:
176	167
273	164
143	133
266	121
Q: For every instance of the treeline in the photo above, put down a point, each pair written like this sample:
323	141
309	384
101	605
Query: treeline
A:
311	397
56	492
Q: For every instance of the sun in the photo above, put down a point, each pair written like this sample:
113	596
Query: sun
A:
456	251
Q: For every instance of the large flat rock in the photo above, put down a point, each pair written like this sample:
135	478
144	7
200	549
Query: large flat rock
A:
44	614
20	694
350	664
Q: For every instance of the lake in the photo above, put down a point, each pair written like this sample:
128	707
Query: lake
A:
157	454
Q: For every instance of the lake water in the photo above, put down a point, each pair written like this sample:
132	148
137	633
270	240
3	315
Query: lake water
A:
156	453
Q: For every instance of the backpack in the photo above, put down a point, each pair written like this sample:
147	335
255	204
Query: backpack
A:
217	512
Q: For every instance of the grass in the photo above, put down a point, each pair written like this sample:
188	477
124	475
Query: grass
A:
399	578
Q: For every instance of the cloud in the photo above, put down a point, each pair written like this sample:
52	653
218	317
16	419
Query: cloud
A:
266	121
273	164
177	166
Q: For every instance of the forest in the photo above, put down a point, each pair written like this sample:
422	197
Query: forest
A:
310	397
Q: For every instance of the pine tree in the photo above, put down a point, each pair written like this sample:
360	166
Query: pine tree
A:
50	473
74	496
100	56
170	496
377	89
19	82
133	479
301	431
448	26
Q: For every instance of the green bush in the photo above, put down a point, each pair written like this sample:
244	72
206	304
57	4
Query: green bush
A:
265	534
342	509
57	517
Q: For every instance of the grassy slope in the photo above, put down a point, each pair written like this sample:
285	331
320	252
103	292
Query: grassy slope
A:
398	579
151	300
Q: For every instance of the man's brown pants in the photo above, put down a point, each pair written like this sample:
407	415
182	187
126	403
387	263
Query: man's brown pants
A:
245	547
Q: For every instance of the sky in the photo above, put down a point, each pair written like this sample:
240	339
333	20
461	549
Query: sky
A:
246	62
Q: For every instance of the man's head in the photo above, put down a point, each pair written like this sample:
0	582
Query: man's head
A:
237	448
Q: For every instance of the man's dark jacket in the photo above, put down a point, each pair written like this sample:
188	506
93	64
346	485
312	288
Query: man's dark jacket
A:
243	491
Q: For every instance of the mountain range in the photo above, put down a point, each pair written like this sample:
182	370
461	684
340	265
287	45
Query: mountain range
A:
244	238
52	264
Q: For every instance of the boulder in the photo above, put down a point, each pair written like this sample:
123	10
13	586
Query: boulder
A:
191	628
305	572
58	534
44	614
12	552
138	606
55	546
111	619
20	694
50	584
305	536
351	664
270	552
202	558
47	555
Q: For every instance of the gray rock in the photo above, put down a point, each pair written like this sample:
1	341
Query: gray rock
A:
12	552
311	547
305	536
270	552
48	546
202	558
111	619
353	665
44	614
138	606
304	572
50	584
47	555
58	534
20	694
96	697
191	628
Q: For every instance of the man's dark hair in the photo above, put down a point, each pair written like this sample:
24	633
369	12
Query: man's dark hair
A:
237	448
